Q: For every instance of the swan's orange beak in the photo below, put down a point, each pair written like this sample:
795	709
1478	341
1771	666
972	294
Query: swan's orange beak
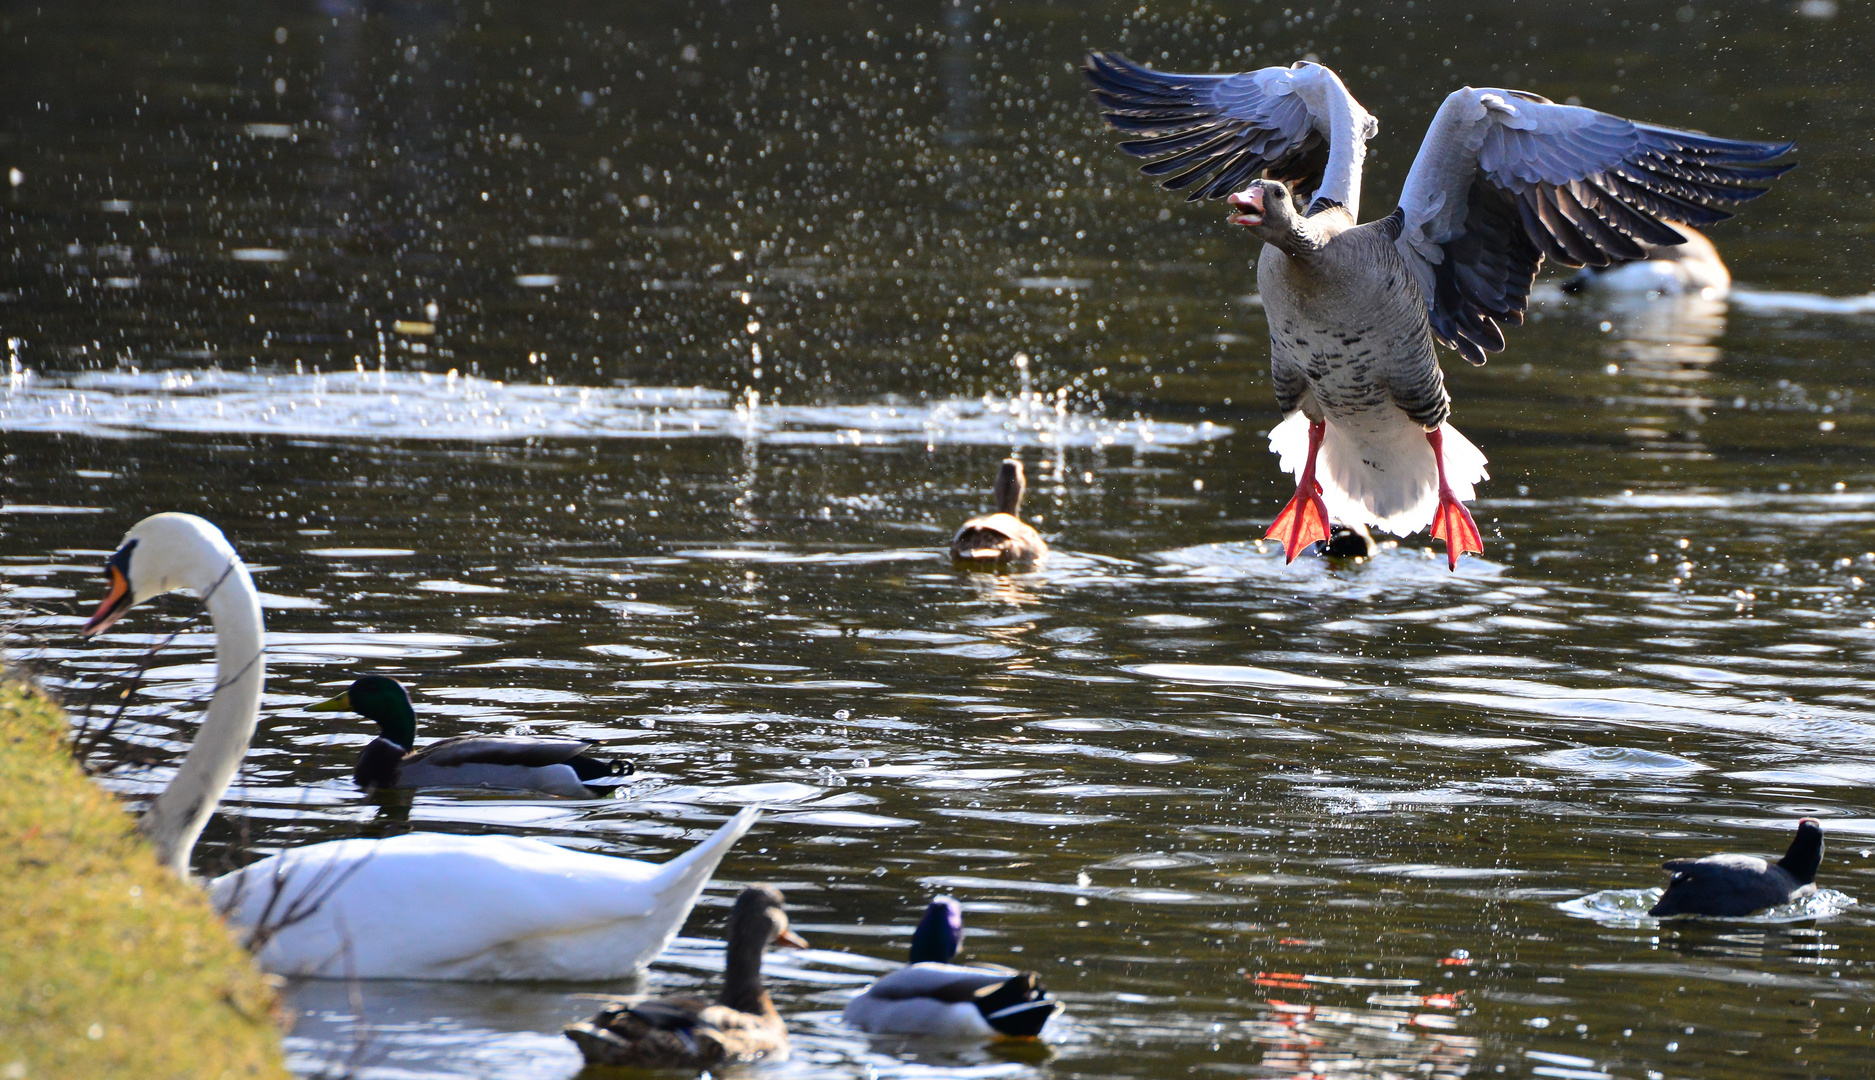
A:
788	939
119	599
1249	206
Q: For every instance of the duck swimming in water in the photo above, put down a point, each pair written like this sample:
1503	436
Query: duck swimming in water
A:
548	764
932	996
683	1032
1001	539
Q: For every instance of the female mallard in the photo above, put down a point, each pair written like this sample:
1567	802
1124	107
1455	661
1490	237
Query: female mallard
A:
554	765
932	996
417	906
683	1032
1002	538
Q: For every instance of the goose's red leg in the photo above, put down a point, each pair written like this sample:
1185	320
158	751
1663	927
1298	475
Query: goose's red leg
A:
1452	522
1305	519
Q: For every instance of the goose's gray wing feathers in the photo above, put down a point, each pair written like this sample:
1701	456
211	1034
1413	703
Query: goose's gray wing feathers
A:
1506	178
1215	133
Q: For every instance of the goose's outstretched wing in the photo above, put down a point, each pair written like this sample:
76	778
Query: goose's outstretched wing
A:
1506	178
1214	133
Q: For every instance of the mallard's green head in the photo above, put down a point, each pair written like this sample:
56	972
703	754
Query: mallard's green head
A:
380	698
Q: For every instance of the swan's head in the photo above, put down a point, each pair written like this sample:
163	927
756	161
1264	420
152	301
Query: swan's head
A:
160	554
940	933
1265	208
761	914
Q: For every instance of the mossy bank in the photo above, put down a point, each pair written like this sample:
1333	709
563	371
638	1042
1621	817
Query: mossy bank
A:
109	966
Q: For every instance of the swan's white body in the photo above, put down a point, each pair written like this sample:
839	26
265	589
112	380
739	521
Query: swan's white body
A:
420	906
1691	268
440	906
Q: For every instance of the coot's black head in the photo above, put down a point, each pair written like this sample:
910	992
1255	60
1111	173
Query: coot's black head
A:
1806	852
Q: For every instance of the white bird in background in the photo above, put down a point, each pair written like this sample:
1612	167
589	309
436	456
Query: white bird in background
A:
1690	268
418	906
1503	180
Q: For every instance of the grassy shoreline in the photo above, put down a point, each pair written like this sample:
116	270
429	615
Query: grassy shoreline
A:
109	966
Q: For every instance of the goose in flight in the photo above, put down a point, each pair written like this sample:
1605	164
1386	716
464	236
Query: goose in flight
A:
1503	180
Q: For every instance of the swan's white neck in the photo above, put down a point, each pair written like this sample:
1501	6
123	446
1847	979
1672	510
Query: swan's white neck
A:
1348	127
215	573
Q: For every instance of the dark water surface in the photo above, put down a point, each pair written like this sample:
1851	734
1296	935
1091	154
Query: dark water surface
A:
619	370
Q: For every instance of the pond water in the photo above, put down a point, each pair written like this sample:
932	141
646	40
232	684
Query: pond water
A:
619	371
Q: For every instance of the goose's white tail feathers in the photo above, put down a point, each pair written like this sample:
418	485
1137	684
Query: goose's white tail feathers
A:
1388	481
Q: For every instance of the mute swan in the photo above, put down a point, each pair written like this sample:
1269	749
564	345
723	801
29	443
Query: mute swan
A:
1734	885
418	906
1503	179
555	766
1002	538
742	1025
161	554
1692	266
932	996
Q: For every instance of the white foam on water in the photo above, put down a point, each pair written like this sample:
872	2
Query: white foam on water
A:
419	405
1629	907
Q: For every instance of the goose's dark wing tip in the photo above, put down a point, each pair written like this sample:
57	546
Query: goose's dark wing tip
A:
1560	182
1206	133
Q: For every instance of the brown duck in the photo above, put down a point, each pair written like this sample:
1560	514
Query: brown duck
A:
684	1032
1002	538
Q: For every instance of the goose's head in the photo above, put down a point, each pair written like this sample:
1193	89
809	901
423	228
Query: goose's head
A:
761	915
160	554
380	698
940	933
1266	208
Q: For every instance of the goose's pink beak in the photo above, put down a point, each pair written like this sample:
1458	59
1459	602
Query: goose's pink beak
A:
1248	205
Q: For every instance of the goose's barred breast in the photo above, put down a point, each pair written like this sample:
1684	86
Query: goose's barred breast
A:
1348	332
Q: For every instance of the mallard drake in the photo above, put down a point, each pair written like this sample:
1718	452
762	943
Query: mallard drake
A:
684	1032
1504	179
932	996
555	766
1002	538
417	906
1729	886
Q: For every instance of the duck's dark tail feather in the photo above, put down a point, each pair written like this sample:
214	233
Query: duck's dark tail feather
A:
1018	1006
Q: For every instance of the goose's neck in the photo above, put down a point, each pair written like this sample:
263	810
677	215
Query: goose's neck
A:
742	975
1349	128
180	812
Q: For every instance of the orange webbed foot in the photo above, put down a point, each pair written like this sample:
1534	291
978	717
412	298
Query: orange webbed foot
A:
1303	522
1453	524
